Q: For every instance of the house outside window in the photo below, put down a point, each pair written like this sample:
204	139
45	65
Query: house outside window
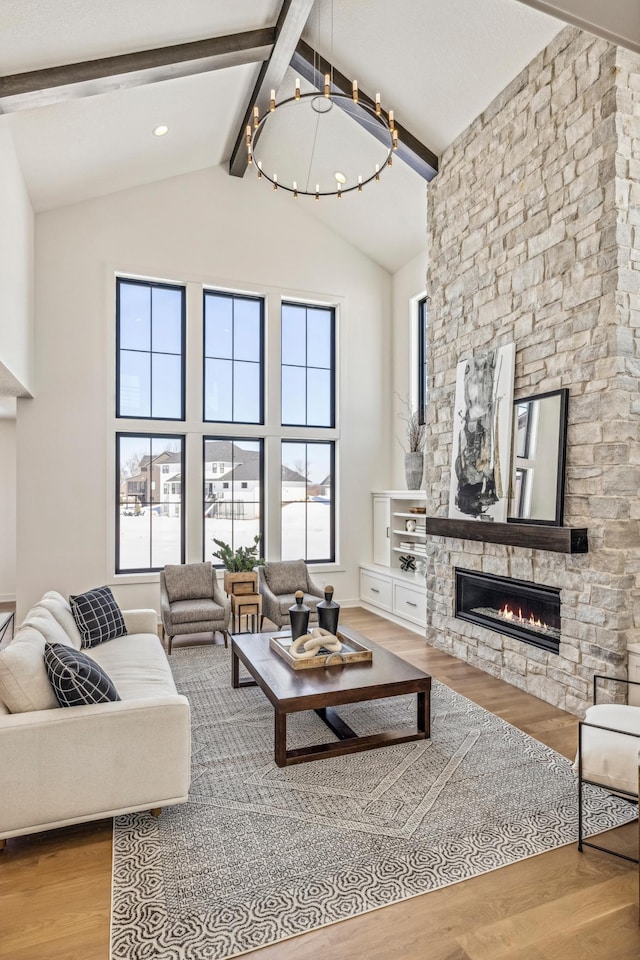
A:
149	518
233	505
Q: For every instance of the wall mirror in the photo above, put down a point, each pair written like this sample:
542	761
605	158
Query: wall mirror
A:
538	460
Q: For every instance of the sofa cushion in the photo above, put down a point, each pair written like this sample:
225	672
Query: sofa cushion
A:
137	665
45	623
188	581
195	611
286	576
76	679
98	616
61	610
24	684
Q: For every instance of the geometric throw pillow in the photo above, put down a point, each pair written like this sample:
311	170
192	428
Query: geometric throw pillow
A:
98	616
75	678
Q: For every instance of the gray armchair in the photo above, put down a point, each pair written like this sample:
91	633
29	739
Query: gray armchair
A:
278	582
192	602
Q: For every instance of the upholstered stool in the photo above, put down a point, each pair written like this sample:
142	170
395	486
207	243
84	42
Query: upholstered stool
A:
246	605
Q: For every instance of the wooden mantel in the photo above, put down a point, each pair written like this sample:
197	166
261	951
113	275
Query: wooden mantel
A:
532	535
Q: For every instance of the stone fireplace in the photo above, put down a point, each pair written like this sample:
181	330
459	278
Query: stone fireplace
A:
534	227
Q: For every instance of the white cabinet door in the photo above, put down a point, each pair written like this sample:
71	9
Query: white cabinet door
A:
410	602
381	531
376	589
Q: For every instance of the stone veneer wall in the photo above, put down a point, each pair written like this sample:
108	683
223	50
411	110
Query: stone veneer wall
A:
534	229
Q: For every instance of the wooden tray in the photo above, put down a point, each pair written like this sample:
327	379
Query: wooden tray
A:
352	652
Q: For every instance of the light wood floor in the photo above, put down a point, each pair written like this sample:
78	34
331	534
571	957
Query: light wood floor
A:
55	887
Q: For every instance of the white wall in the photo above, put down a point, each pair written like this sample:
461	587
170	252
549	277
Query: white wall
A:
408	286
16	274
7	509
205	227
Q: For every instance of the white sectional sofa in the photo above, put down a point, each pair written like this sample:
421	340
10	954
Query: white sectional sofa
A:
63	765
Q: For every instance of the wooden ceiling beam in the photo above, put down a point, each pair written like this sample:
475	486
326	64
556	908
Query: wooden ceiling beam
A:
291	22
22	91
617	21
313	67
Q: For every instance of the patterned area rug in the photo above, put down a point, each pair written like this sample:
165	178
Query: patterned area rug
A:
259	854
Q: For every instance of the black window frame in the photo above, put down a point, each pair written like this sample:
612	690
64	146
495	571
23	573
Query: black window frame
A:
217	564
212	292
149	436
332	505
134	281
422	361
307	307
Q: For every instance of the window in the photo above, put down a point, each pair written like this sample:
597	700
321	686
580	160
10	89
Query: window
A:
422	360
150	325
233	358
234	506
157	521
308	362
150	518
307	500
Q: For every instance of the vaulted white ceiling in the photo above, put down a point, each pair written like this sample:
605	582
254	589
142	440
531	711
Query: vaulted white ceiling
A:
437	64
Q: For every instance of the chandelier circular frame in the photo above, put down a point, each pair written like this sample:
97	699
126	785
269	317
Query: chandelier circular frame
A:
377	117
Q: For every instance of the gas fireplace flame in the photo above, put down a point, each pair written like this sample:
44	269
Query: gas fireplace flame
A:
532	622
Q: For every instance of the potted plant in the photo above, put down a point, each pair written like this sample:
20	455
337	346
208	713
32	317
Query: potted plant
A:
239	576
416	437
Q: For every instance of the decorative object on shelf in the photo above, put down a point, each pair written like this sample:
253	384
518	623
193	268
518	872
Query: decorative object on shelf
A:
416	437
311	144
308	645
328	611
410	526
408	564
421	567
481	451
417	509
299	616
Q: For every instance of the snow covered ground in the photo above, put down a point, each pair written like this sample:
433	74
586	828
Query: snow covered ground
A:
298	540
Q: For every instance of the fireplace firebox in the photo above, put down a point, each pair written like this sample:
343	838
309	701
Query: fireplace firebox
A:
516	608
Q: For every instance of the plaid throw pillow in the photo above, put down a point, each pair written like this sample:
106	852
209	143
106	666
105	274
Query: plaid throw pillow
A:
98	616
75	678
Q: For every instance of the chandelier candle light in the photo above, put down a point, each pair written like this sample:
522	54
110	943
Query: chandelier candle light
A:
307	147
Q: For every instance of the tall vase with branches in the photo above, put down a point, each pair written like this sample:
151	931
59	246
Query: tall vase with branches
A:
415	443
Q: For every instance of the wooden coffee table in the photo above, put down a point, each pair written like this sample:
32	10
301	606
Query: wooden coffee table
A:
291	691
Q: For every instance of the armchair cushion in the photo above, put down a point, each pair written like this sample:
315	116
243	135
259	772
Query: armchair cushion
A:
286	576
611	758
286	600
188	581
194	611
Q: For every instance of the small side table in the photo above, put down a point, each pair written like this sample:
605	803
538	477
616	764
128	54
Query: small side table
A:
246	605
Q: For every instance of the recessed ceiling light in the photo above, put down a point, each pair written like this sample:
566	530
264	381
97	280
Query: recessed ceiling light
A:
160	130
339	177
